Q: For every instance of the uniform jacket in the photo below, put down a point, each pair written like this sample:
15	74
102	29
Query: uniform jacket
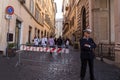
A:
87	52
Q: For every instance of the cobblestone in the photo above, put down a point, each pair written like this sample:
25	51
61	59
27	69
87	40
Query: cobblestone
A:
55	67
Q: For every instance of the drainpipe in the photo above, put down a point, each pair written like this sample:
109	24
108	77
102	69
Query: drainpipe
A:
109	27
109	22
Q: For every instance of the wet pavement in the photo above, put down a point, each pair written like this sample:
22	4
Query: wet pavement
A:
43	66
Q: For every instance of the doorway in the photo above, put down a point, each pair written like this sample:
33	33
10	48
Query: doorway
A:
17	33
83	19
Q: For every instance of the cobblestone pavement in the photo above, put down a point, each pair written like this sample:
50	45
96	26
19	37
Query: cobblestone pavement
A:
56	67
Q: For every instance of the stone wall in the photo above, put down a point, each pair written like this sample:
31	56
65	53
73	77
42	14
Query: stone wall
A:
101	21
82	4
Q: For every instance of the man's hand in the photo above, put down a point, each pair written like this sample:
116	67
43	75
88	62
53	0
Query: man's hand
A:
87	45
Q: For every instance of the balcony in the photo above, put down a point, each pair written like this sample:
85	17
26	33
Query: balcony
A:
66	29
48	21
65	22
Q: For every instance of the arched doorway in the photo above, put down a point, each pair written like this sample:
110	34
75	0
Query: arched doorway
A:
83	19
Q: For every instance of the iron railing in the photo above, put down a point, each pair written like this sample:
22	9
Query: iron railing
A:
106	51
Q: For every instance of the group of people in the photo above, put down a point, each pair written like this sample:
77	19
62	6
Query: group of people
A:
51	42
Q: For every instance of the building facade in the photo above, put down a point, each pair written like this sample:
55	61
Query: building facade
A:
102	16
31	18
117	31
69	9
76	18
105	24
103	21
59	27
82	14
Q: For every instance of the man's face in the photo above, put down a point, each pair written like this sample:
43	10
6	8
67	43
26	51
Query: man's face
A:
87	34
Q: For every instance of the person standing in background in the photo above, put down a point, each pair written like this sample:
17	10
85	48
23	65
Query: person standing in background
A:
36	41
59	42
51	43
43	41
39	41
55	40
67	43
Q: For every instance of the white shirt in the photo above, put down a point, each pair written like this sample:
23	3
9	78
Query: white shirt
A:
67	42
36	41
44	41
51	42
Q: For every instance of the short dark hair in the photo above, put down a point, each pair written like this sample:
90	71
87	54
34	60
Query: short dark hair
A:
51	36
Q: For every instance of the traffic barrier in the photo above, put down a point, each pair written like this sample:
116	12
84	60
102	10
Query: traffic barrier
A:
38	49
44	49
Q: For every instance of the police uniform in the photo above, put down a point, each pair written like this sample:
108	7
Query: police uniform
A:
87	56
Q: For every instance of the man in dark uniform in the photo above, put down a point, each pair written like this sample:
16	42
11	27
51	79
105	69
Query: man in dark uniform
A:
87	55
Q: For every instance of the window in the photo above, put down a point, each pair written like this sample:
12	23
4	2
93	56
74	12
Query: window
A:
45	32
42	33
29	34
35	32
10	37
37	14
40	18
43	4
32	6
38	33
72	22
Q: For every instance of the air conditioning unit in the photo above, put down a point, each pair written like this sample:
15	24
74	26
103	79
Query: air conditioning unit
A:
22	1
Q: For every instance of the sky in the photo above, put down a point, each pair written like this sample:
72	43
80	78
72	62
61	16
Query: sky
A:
59	9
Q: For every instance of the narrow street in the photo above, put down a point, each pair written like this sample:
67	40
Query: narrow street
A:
55	67
37	28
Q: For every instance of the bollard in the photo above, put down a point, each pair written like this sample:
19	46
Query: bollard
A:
19	60
101	57
98	50
109	51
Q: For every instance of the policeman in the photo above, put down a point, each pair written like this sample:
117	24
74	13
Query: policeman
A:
87	55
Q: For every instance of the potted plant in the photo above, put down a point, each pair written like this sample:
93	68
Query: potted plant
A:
28	44
76	45
11	49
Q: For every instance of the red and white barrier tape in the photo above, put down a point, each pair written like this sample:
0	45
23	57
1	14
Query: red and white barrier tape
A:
44	49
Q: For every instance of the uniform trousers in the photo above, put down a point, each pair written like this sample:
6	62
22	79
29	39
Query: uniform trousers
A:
84	62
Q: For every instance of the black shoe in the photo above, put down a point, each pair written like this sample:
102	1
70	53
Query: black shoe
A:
51	53
93	79
81	79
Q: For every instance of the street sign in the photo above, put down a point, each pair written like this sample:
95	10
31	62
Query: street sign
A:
10	10
8	16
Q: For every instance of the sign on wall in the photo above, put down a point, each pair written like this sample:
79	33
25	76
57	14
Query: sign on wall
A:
10	10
